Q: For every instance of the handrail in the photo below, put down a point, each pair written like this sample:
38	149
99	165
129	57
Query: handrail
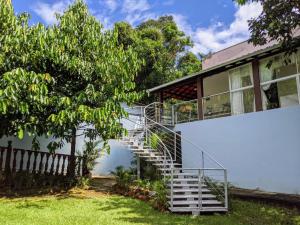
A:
190	142
151	126
164	146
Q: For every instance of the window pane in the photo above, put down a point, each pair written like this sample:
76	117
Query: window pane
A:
242	101
280	67
216	84
186	111
280	94
217	106
240	77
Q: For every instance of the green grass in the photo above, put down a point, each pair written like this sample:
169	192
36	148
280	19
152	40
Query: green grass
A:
118	210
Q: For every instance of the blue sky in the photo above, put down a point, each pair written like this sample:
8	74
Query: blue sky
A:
212	24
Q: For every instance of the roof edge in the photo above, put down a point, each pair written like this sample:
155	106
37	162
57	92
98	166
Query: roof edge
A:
261	51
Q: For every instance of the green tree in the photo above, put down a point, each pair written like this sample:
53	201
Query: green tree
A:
189	63
159	45
63	78
278	21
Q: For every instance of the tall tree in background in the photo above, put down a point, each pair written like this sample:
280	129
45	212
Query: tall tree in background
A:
278	21
162	48
58	79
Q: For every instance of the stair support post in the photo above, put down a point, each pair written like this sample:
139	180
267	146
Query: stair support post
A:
138	167
225	189
202	158
200	189
175	142
172	175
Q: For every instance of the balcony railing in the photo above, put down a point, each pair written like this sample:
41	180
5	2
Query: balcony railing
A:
185	111
217	105
213	106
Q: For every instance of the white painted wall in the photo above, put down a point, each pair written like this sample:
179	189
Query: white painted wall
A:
260	150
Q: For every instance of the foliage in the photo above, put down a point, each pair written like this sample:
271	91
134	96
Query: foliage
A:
278	20
154	141
56	78
160	199
142	183
82	182
161	47
90	154
189	63
123	177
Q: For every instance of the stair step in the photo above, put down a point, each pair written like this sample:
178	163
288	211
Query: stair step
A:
192	196
168	164
185	179
193	202
185	174
155	160
196	209
190	190
144	149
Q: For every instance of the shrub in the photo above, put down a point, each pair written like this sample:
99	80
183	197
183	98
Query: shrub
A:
160	199
123	177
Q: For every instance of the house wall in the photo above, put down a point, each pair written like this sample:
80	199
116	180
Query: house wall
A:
259	150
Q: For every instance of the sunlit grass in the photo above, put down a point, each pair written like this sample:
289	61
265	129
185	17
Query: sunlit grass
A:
113	209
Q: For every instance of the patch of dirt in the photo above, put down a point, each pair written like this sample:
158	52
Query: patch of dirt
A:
99	187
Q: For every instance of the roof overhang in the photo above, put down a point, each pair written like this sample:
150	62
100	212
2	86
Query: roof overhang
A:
216	69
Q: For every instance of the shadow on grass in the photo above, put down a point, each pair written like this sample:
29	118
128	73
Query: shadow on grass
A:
41	204
135	211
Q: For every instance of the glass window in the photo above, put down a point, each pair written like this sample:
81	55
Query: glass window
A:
280	94
240	77
242	101
216	84
281	66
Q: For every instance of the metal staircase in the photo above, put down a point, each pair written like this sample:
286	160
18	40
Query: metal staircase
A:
194	189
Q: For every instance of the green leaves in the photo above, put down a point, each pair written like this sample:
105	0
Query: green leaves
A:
69	75
278	22
20	133
159	45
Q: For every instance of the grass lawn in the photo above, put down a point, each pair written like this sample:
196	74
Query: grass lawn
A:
86	207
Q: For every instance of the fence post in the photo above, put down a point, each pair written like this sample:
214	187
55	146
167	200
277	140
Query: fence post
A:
7	170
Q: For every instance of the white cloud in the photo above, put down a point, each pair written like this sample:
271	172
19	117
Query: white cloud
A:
137	11
133	6
183	24
219	36
139	17
47	11
112	5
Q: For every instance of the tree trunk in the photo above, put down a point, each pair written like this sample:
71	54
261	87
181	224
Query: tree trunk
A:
72	161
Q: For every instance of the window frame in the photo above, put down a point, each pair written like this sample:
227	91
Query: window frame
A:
293	76
242	89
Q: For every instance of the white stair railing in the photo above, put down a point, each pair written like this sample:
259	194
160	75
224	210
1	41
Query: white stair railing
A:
163	139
